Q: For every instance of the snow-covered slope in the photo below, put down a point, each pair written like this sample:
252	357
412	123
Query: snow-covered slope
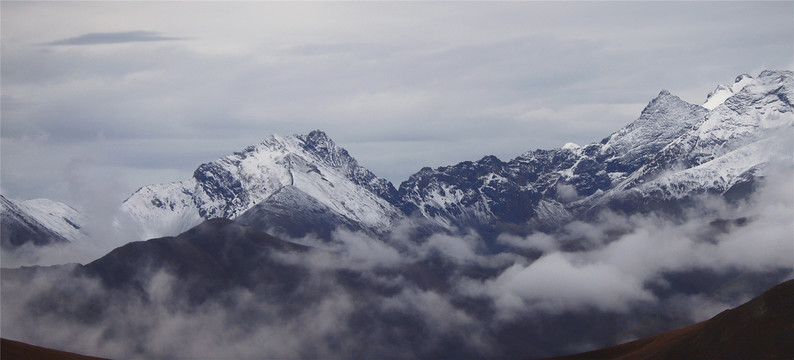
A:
723	92
39	222
228	187
736	139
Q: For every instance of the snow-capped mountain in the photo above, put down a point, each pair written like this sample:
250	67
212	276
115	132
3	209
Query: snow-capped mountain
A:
727	148
536	188
304	184
310	168
39	222
673	150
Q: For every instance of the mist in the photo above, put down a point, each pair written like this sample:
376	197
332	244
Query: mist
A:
437	296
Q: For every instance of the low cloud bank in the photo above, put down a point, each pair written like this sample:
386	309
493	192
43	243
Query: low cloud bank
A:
440	296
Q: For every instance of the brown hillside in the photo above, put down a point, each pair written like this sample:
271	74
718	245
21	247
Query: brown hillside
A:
762	328
15	350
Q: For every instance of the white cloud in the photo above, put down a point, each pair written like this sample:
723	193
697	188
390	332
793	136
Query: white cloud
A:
555	284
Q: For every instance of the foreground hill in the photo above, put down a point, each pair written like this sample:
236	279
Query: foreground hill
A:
762	328
15	350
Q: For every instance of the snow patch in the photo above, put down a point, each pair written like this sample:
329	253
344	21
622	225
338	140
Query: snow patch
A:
723	92
571	146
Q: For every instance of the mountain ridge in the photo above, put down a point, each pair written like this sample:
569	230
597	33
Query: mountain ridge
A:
673	151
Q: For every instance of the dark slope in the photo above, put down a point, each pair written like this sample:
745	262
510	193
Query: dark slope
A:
762	328
228	278
216	255
247	282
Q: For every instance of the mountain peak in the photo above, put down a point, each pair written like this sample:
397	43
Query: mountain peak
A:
316	137
319	144
664	118
232	185
662	102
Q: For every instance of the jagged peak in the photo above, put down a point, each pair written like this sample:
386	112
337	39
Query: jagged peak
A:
664	118
320	145
664	100
316	138
490	159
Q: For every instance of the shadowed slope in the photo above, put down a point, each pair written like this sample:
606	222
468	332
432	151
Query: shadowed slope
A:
217	255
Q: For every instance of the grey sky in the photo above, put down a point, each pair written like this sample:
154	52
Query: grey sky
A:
106	97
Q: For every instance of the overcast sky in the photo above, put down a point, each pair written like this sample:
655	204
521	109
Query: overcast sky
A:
102	98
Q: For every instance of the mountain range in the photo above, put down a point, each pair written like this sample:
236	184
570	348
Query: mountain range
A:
290	248
306	184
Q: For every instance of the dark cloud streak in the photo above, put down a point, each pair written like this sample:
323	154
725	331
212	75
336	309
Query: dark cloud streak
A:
105	38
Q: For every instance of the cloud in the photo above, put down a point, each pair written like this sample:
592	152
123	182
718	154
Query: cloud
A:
113	38
566	192
537	241
434	296
419	87
555	283
402	95
619	259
